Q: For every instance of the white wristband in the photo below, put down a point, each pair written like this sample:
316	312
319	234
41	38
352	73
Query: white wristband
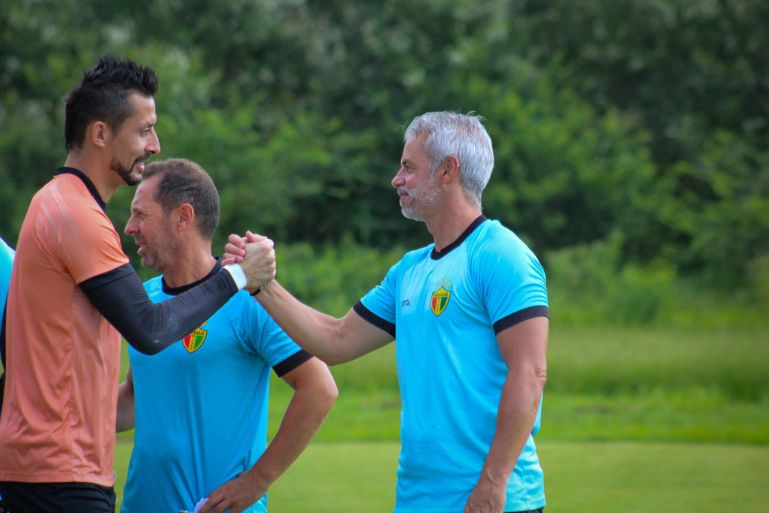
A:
237	274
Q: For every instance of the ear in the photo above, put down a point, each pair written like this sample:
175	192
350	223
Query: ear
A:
185	217
449	170
98	133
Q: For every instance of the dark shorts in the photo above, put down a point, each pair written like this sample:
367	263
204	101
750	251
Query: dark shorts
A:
540	510
57	498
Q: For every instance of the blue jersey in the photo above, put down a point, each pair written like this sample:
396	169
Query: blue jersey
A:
6	263
445	310
201	406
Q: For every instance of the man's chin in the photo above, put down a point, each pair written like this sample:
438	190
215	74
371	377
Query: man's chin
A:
410	213
132	178
147	262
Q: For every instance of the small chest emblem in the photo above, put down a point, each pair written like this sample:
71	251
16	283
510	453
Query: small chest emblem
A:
440	300
194	339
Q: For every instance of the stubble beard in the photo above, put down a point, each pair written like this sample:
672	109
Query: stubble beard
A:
421	198
129	175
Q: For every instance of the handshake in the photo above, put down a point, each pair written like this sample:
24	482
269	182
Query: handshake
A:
256	255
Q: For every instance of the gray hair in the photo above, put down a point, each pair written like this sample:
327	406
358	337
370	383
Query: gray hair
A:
461	135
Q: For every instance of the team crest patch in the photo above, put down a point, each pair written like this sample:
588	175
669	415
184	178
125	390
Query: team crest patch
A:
193	340
440	300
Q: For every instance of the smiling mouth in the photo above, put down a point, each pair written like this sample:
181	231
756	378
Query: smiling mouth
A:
141	163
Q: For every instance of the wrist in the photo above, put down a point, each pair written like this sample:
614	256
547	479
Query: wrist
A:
238	275
495	477
257	481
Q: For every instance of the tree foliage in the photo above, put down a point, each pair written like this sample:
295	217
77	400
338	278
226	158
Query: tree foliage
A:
644	119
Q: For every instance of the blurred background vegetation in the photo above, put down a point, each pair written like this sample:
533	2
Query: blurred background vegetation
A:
630	137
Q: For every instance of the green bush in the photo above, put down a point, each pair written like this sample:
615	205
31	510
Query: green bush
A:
589	284
758	274
332	278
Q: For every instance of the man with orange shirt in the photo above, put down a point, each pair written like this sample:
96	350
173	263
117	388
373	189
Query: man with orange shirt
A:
73	294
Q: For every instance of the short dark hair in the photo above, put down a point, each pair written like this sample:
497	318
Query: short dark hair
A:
184	181
102	95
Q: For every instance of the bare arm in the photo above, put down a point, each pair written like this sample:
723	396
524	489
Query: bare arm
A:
523	348
314	394
330	339
125	404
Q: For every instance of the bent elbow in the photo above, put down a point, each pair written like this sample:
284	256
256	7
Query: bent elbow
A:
329	392
332	393
145	345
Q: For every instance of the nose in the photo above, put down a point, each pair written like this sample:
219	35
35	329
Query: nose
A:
130	226
154	143
397	180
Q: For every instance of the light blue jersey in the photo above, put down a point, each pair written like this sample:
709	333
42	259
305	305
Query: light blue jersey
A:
6	263
446	309
201	406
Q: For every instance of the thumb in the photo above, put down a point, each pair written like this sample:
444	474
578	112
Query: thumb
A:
253	237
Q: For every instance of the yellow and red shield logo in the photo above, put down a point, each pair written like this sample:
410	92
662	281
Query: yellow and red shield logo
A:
193	340
439	300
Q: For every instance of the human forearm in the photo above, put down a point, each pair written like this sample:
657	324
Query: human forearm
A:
304	415
518	407
330	339
151	327
317	332
125	418
517	413
523	347
315	392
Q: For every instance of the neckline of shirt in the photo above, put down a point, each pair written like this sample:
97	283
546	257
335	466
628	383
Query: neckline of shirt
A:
64	170
435	254
175	291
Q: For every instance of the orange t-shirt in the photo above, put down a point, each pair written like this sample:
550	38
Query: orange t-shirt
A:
58	416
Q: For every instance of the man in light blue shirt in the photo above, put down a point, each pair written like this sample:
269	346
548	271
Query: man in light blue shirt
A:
6	263
200	407
470	315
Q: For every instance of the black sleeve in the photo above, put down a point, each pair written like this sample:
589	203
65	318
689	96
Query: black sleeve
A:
120	297
291	363
374	319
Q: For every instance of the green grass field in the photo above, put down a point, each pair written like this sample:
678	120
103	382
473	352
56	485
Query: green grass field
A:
596	477
634	420
580	477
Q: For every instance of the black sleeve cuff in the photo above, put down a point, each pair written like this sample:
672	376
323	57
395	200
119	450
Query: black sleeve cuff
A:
520	316
374	319
292	362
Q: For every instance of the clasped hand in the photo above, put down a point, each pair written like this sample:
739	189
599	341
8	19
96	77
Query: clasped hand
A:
256	255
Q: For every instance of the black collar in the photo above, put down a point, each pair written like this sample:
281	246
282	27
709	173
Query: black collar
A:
175	291
435	255
87	181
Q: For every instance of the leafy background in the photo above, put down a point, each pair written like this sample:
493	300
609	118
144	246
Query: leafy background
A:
639	125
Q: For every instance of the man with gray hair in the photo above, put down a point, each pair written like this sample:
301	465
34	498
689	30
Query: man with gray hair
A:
470	313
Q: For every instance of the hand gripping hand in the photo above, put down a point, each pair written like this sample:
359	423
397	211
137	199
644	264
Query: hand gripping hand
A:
258	262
